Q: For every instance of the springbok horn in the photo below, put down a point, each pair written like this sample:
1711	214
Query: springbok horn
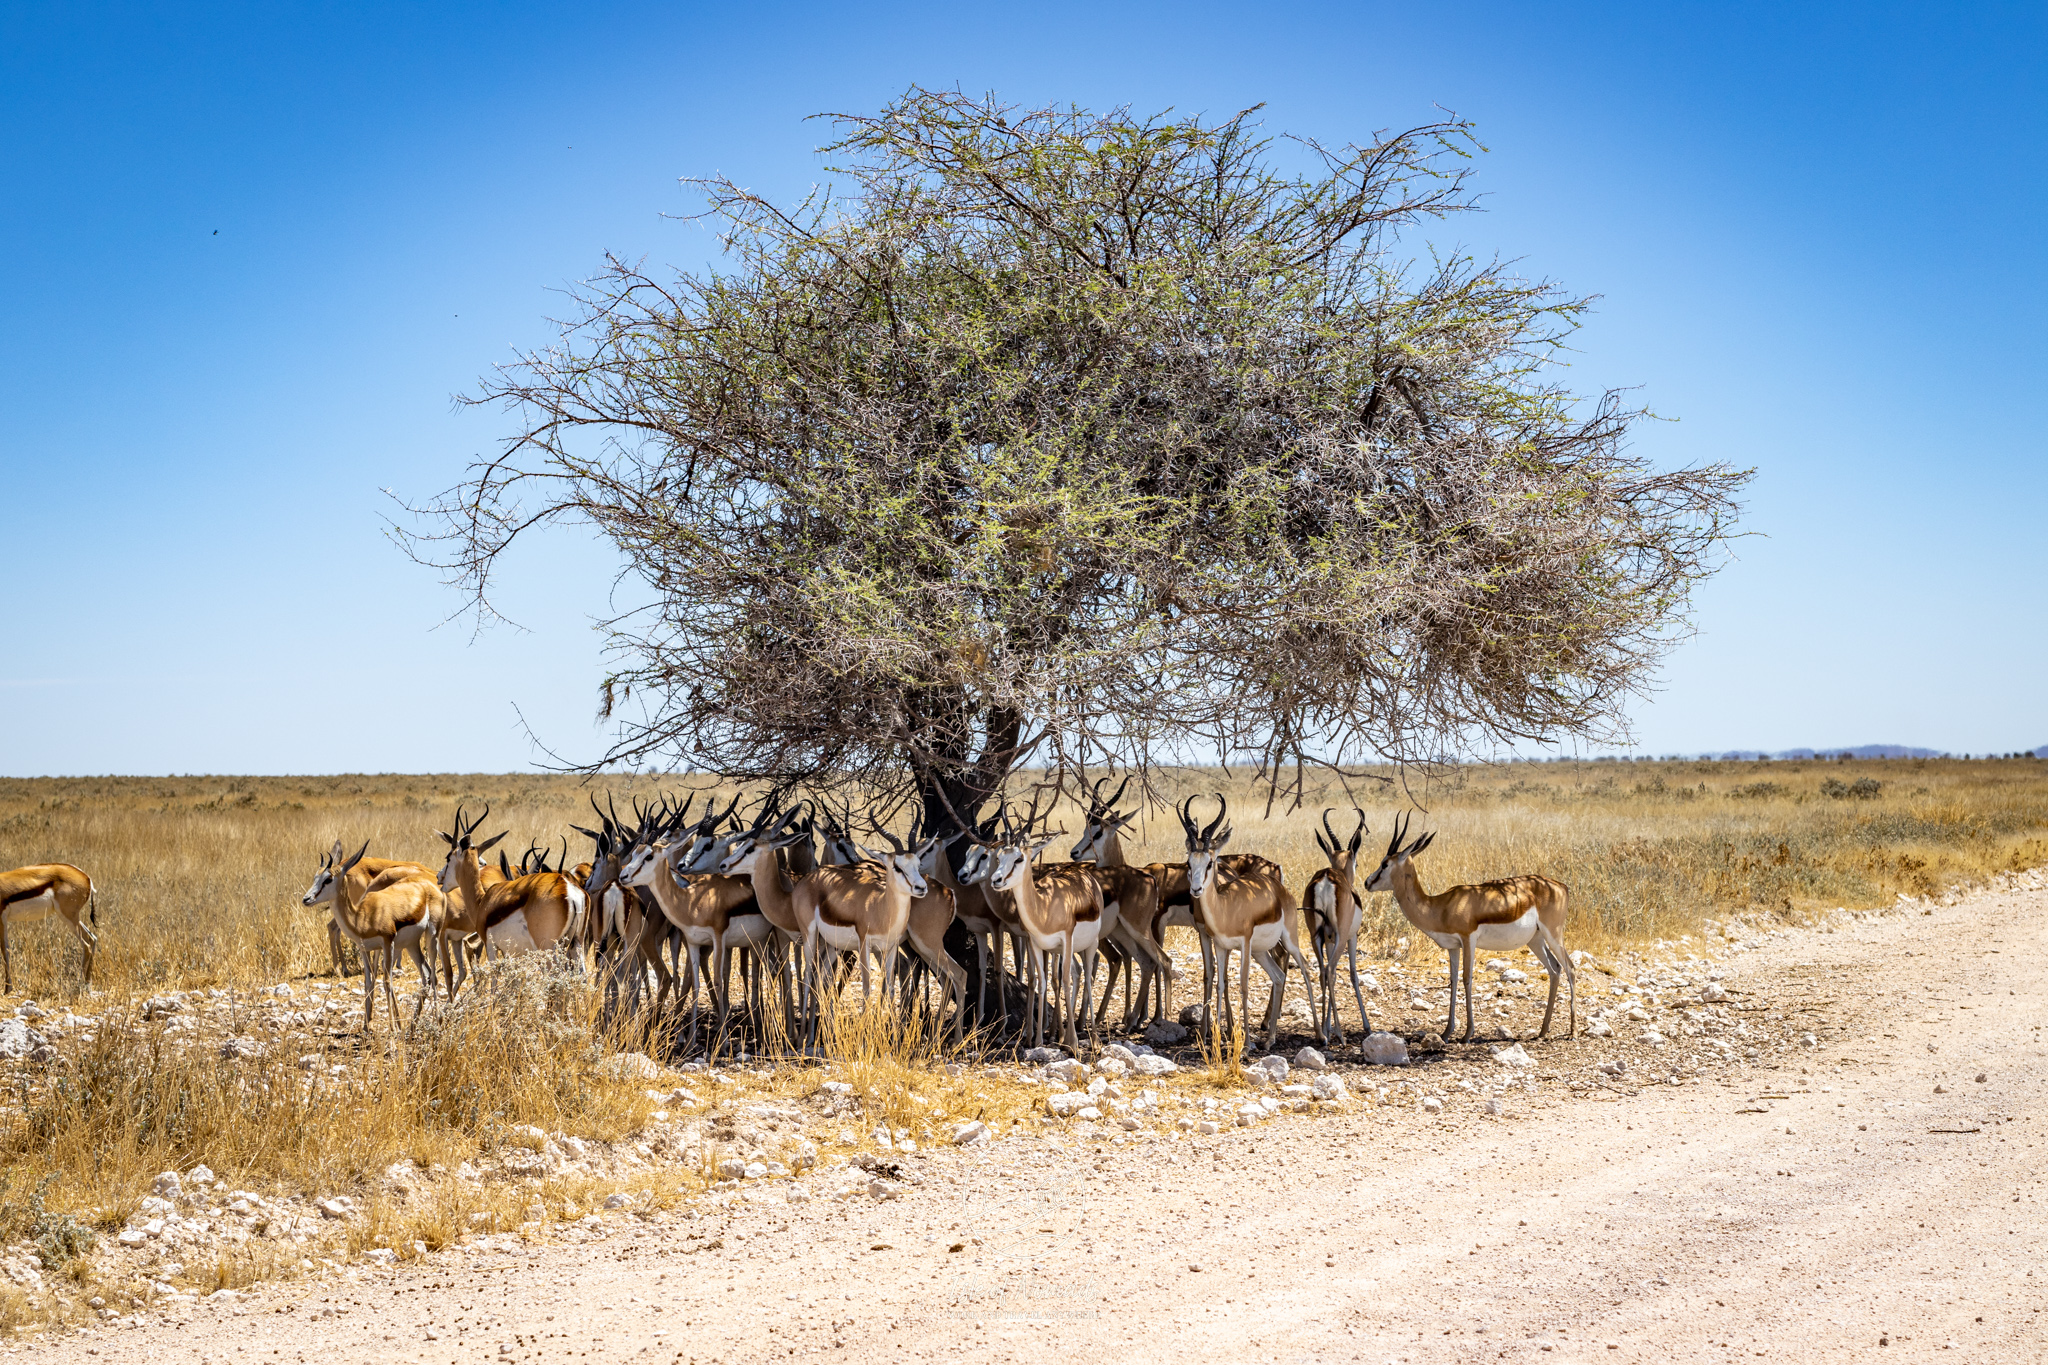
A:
358	858
1394	844
1111	803
1358	835
1334	845
1222	809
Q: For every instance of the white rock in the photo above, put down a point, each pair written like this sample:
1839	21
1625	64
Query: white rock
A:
1653	1038
1493	1107
1384	1049
1598	1028
882	1139
339	1207
618	1201
168	1185
381	1256
1067	1069
1274	1066
834	1088
1328	1086
1297	1092
732	1168
1039	1056
1270	1105
1066	1103
1128	1124
1111	1066
1431	1104
200	1175
882	1189
1088	1112
1166	1035
1118	1052
629	1066
1155	1066
1513	977
132	1237
1207	1128
1513	1055
969	1134
1370	982
754	1170
1308	1059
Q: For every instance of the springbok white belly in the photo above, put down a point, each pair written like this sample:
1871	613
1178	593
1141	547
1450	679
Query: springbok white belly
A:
32	909
845	938
511	935
1513	934
748	931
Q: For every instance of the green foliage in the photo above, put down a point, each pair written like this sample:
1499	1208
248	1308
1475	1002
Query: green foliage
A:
1106	434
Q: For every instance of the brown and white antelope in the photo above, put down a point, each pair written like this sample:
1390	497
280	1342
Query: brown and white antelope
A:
1131	902
378	870
1515	912
382	922
34	893
862	909
1244	904
1061	911
705	910
1332	897
522	914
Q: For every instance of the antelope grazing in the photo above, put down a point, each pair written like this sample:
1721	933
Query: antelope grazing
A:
1131	901
1061	911
30	894
383	922
522	914
1244	905
1518	912
1333	899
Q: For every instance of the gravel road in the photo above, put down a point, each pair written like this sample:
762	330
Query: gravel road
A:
1882	1200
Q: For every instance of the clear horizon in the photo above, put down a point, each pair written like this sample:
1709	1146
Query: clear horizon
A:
251	253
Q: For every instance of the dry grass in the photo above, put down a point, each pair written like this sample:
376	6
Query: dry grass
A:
199	878
199	881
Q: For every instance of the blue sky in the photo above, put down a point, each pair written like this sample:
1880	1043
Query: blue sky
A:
248	254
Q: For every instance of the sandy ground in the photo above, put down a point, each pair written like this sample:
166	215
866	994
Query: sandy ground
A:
1873	1200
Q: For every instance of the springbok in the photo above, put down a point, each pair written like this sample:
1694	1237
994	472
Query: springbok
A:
1130	900
1516	912
522	914
34	893
1333	899
861	909
703	909
383	922
378	870
1061	910
1244	903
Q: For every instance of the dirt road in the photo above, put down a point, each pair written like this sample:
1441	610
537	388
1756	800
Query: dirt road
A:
1878	1202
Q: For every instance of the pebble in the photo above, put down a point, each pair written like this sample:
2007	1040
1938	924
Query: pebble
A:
1166	1035
1274	1066
968	1134
1431	1104
1308	1059
1153	1065
1384	1049
1598	1028
1328	1086
1513	1055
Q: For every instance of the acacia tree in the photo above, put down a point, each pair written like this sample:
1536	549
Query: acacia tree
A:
1098	438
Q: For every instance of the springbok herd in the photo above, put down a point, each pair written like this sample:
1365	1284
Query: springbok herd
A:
800	902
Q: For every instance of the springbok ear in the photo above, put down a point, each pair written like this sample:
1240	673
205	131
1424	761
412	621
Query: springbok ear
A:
870	854
447	839
486	845
1040	846
1327	850
337	853
1420	844
1216	844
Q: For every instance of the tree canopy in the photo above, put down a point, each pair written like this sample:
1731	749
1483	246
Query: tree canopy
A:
1097	438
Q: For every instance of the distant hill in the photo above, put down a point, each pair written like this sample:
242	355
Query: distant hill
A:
1858	751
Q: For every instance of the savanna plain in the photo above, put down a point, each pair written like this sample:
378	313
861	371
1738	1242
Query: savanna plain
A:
1799	1116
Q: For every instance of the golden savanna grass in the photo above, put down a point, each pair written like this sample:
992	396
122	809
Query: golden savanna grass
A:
199	878
199	882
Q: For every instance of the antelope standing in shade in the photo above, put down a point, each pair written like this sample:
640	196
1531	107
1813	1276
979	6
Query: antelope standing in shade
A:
378	870
1516	912
383	922
1333	899
34	893
1131	900
1244	903
861	909
1061	911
